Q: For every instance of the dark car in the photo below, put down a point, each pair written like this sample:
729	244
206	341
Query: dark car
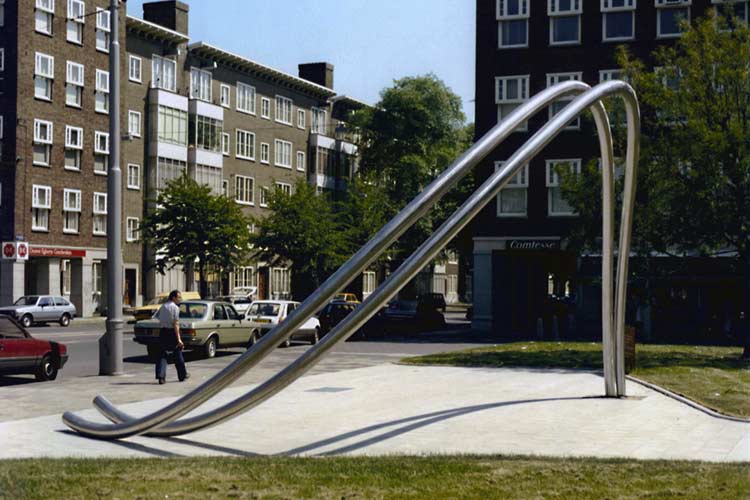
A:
22	353
333	313
434	300
411	315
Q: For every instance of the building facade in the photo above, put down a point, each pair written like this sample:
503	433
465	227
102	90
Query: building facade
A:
186	108
526	280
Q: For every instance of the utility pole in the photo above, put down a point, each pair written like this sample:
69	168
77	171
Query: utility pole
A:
110	344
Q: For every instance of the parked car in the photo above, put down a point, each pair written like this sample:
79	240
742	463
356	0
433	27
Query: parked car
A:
22	353
411	315
346	297
333	313
148	310
31	309
204	325
433	300
399	310
263	315
241	303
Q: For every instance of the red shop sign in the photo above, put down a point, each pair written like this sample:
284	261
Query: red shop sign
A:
56	252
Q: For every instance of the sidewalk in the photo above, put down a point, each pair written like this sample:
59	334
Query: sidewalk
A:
394	409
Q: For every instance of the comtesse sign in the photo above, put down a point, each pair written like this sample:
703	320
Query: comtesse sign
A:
534	245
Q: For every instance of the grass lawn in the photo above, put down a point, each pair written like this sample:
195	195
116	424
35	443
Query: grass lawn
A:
713	376
391	477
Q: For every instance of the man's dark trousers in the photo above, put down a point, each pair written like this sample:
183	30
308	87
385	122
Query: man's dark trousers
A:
168	342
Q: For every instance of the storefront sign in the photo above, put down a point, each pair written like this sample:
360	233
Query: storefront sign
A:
533	245
66	253
15	250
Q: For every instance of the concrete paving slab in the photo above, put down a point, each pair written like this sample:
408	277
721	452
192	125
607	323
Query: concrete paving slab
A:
394	409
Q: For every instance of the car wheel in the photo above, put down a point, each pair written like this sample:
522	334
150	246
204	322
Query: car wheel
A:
65	320
153	352
316	336
254	337
209	348
47	370
27	320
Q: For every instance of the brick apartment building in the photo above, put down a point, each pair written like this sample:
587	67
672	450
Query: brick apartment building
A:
523	271
186	107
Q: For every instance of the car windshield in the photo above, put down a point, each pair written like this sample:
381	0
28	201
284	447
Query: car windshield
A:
189	310
158	300
265	309
10	330
29	300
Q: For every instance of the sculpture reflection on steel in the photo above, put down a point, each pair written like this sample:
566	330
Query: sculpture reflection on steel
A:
164	422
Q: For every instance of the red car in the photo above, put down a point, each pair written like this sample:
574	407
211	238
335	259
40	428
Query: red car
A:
22	353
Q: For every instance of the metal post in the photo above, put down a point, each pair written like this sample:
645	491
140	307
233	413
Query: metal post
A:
110	344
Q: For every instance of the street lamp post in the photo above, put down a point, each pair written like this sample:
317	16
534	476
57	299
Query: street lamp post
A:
110	344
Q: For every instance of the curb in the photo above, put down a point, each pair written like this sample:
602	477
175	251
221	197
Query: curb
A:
689	402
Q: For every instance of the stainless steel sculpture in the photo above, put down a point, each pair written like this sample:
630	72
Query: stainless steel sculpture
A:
164	421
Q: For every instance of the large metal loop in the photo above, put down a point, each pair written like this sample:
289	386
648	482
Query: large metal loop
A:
156	423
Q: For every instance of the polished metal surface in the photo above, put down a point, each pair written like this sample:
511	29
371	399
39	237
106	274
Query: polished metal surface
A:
158	423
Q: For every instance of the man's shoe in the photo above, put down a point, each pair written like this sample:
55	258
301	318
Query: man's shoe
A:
162	381
187	376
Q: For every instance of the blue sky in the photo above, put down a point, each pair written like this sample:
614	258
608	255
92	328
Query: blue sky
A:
370	43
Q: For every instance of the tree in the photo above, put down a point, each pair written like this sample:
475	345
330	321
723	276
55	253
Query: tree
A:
304	232
694	173
190	225
407	140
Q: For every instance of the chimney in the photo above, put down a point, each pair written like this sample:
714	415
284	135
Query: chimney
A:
171	14
320	73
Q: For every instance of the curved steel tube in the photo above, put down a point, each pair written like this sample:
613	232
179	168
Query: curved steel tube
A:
451	227
355	265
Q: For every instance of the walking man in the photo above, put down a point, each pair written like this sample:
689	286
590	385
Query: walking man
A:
169	338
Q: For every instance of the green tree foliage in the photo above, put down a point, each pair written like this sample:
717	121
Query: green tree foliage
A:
192	226
694	173
304	232
408	138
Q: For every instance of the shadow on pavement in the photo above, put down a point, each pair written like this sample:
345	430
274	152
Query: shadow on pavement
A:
16	380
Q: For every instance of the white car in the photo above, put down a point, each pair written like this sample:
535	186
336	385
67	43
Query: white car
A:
241	303
263	315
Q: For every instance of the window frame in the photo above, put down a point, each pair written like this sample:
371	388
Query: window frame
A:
74	209
245	99
130	185
248	191
662	6
131	77
263	191
102	90
104	28
301	119
501	9
519	181
100	136
77	21
551	180
265	108
158	63
300	154
523	82
265	153
76	147
250	146
45	140
48	11
226	146
287	108
553	79
71	67
285	187
134	238
224	88
131	115
40	209
98	213
201	82
281	151
606	8
48	76
318	122
553	12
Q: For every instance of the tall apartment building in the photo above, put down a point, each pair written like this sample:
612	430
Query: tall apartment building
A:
523	270
186	107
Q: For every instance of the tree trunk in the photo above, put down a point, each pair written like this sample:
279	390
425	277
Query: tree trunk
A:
744	323
202	283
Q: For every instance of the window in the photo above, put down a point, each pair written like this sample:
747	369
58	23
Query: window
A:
245	98
100	214
200	84
208	176
73	147
245	145
101	99
173	126
74	84
101	152
135	69
224	187
263	196
206	132
265	108
736	8
285	188
265	152
280	283
225	92
513	23
131	235
301	161
283	110
618	20
76	20
556	204
557	106
2	13
134	123
511	92
283	150
243	276
2	59
318	121
44	73
163	73
44	15
71	210
669	17
243	190
368	283
225	146
607	75
42	142
512	199
166	171
301	122
134	176
564	21
41	204
102	30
